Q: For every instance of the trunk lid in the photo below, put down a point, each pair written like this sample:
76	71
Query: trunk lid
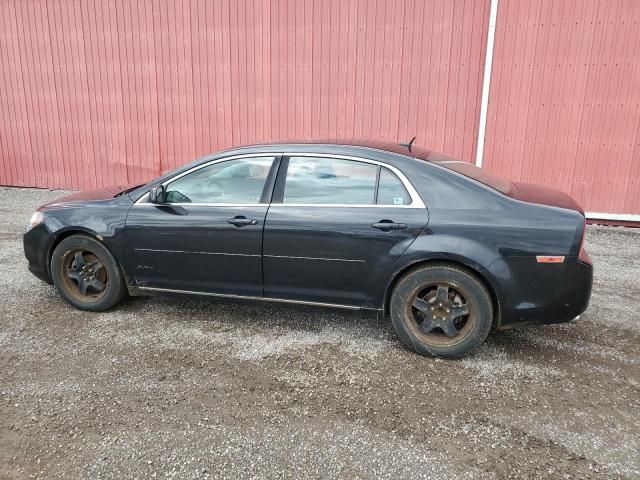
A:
528	192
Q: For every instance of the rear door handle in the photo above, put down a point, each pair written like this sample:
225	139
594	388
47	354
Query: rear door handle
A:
241	221
388	225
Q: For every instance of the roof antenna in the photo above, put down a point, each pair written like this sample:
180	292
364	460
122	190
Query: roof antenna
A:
408	145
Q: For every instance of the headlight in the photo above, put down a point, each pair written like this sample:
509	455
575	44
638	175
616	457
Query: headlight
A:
36	218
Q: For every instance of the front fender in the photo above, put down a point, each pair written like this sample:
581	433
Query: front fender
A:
103	220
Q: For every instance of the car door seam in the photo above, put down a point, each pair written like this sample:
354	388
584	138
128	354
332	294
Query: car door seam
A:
384	276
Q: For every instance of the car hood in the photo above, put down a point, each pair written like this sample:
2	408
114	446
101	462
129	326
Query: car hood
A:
528	192
105	193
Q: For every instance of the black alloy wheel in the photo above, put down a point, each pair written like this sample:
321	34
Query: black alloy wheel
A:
86	273
441	310
85	276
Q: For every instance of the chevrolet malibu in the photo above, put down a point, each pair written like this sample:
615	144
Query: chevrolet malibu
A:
446	250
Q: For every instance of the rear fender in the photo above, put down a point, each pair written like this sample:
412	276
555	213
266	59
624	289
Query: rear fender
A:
442	248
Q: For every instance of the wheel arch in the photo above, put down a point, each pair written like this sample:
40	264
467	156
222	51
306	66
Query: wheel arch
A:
482	275
68	232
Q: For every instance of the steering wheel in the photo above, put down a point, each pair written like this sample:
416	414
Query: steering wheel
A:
214	189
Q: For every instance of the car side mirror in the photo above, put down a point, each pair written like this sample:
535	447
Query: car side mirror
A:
157	194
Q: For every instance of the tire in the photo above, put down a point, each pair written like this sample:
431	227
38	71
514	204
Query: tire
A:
441	310
95	271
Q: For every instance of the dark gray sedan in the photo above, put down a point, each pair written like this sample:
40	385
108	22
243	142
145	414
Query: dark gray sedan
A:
446	249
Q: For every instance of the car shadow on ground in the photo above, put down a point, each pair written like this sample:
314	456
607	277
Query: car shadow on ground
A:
277	319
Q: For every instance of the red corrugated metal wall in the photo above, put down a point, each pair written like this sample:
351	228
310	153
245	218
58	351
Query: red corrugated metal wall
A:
95	93
564	104
100	92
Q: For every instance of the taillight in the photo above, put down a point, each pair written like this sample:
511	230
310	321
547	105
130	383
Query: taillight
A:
583	255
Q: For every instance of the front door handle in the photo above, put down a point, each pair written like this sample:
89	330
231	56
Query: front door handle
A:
388	225
240	221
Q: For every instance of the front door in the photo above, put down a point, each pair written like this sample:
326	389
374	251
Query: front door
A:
207	236
335	227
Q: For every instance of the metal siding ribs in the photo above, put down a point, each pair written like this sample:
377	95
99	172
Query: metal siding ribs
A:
564	106
97	93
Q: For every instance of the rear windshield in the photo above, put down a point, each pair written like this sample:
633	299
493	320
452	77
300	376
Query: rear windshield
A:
478	174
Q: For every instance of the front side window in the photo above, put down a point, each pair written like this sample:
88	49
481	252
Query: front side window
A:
333	181
239	181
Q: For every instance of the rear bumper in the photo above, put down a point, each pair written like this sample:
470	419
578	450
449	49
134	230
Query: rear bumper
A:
37	243
547	293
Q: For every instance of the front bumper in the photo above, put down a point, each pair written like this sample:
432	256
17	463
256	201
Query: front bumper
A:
37	244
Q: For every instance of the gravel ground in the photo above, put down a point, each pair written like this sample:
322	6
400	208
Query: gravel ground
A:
190	389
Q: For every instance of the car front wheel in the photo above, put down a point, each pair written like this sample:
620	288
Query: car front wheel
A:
86	274
441	310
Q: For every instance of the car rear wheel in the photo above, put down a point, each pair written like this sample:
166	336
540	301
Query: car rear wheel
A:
86	274
441	310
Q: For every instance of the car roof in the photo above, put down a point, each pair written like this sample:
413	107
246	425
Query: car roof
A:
380	145
390	152
393	153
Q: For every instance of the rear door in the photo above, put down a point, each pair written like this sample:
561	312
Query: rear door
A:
335	226
207	236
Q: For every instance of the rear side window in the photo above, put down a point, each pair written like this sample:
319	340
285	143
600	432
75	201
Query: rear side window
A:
333	181
330	181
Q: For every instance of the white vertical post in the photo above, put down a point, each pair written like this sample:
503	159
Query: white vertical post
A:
486	82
